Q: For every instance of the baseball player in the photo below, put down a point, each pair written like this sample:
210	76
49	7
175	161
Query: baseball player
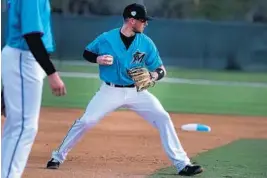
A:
25	62
129	63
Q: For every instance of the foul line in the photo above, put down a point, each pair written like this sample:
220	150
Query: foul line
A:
176	80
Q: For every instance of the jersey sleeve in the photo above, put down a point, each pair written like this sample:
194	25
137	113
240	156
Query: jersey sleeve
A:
153	60
94	45
31	20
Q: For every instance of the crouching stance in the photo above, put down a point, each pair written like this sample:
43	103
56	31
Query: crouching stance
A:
129	63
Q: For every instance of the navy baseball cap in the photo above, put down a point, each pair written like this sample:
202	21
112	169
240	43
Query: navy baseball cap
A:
136	11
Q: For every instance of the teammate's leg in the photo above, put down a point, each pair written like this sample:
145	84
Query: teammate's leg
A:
149	107
22	81
106	100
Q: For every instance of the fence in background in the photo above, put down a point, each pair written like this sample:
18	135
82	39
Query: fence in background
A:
189	44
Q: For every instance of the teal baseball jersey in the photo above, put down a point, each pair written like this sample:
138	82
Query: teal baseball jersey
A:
29	16
141	53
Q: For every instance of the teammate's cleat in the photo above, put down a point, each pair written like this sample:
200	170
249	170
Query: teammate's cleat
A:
53	164
191	170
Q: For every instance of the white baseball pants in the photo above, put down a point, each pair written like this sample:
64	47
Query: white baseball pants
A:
22	79
108	99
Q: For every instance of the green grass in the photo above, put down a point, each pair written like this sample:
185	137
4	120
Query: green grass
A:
79	92
241	159
185	73
212	99
186	98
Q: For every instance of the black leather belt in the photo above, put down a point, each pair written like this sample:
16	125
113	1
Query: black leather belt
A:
120	86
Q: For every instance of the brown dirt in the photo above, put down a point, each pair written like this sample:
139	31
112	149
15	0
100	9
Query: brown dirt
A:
125	145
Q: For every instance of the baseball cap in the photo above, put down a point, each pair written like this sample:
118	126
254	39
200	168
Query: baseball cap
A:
136	11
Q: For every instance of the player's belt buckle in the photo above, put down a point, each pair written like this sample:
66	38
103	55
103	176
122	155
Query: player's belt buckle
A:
110	84
120	86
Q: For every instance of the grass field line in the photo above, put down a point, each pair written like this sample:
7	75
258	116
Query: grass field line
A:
176	80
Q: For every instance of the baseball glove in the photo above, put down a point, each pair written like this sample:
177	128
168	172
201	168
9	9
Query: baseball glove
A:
142	78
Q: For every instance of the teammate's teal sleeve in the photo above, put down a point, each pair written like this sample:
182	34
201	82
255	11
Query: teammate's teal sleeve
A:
31	20
29	16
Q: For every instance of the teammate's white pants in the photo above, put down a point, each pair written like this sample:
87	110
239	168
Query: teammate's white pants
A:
22	79
108	99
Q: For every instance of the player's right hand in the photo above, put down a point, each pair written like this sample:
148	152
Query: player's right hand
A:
56	84
105	60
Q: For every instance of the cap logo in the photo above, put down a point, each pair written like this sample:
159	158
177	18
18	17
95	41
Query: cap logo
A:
133	13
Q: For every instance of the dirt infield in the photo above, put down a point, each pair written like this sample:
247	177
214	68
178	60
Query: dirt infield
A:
125	145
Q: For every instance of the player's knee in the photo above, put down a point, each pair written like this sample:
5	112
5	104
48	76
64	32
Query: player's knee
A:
89	121
163	116
13	124
31	130
12	128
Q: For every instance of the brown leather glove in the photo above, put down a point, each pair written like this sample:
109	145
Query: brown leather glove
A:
142	78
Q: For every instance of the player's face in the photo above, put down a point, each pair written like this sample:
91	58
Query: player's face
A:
139	26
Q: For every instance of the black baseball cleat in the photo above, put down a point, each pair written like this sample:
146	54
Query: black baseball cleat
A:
191	170
53	164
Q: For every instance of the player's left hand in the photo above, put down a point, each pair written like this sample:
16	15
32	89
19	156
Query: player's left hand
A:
142	77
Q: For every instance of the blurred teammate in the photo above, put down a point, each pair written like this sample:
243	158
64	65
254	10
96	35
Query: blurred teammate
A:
117	51
25	57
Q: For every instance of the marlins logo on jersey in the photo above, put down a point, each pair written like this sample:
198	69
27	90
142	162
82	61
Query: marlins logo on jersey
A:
138	57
